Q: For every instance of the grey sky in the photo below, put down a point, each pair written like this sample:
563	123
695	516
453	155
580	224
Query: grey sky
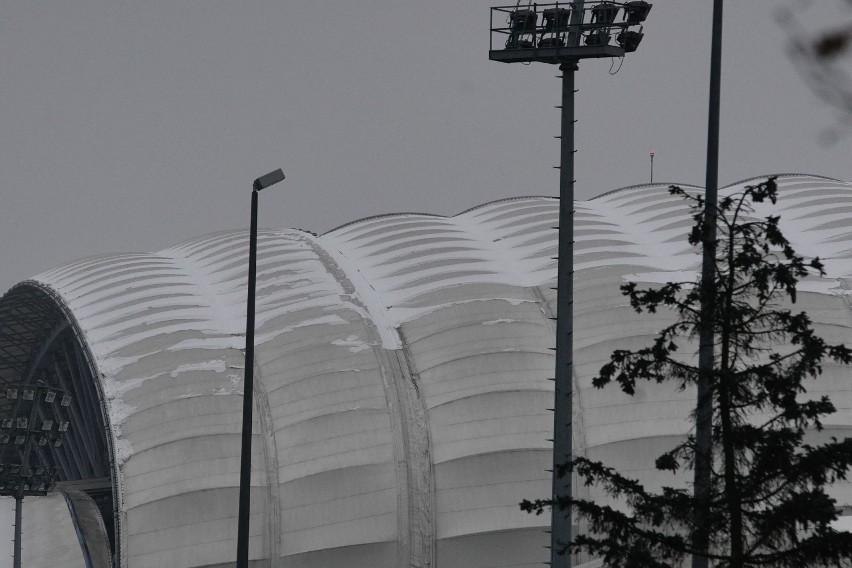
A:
130	126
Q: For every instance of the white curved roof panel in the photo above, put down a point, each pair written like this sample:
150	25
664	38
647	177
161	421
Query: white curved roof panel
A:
402	366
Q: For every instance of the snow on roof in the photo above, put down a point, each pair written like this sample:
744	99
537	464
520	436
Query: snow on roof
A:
400	339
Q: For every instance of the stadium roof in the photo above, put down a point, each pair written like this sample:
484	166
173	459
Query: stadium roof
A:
402	370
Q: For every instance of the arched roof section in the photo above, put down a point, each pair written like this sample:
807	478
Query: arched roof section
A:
402	368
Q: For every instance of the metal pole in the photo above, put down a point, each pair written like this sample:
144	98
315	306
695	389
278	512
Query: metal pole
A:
560	535
248	395
652	167
19	506
563	451
704	403
25	470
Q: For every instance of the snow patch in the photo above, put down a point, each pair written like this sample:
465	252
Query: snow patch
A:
237	342
410	314
332	319
843	524
217	365
111	365
367	295
353	342
236	383
119	411
122	449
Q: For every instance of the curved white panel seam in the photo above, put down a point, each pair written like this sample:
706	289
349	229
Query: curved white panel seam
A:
415	523
377	311
205	291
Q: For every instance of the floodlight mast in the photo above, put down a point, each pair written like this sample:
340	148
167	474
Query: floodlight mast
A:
559	41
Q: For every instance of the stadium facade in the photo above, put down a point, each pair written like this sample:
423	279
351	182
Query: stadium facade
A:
402	381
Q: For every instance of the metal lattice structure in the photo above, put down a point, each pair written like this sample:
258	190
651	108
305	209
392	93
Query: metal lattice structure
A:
41	352
559	32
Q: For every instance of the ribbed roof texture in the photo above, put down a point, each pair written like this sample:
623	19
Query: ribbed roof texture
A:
402	374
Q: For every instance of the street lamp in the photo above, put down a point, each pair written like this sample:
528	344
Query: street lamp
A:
568	32
36	418
259	184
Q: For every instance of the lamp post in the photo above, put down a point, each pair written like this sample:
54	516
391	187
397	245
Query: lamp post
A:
260	183
33	420
565	33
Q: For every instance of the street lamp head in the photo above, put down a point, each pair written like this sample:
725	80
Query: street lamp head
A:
269	179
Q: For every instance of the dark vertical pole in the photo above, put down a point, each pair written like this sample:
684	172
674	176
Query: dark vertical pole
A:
563	451
19	505
248	395
562	410
704	404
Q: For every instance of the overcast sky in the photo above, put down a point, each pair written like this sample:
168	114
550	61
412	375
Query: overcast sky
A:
131	126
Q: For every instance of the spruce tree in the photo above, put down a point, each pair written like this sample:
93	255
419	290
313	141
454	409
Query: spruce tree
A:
769	505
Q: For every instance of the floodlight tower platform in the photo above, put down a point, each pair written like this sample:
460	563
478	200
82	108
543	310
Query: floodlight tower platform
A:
560	32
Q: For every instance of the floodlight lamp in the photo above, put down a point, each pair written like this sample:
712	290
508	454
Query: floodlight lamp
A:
636	11
12	393
19	440
47	425
629	41
21	422
66	400
15	469
6	423
269	179
604	13
63	426
4	438
522	20
57	443
597	37
514	42
556	18
29	394
49	397
42	441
